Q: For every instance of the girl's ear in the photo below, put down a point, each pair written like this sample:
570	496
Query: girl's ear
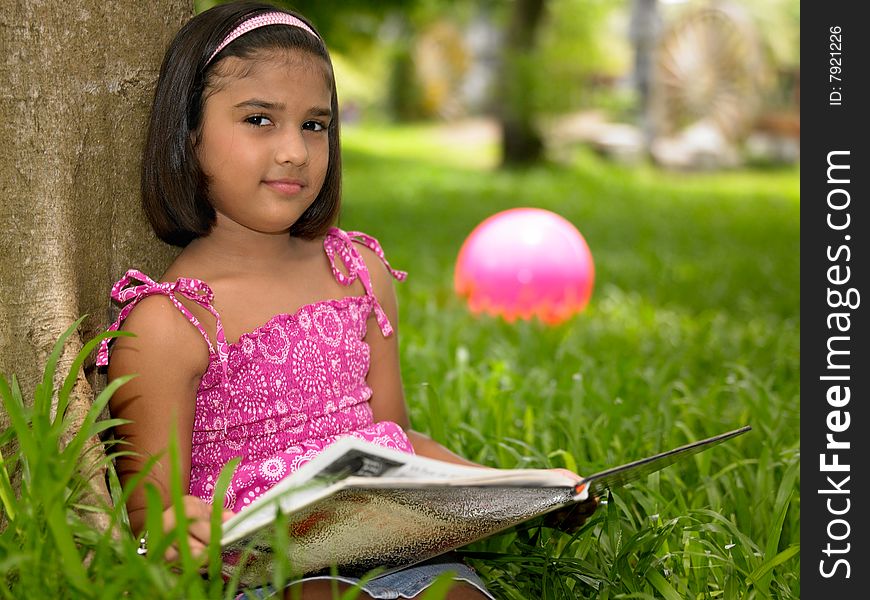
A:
195	137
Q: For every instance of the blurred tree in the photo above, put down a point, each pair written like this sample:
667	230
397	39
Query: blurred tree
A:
404	97
521	142
645	27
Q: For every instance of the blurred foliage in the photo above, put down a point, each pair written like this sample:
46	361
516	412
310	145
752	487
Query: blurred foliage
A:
583	57
377	41
352	25
584	47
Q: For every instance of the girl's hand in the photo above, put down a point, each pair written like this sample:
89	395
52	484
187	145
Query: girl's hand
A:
572	517
198	511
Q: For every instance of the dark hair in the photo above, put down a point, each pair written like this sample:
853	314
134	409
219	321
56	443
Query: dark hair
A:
174	187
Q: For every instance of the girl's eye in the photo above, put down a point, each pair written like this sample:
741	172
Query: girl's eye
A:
258	120
313	126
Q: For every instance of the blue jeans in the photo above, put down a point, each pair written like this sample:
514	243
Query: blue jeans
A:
405	583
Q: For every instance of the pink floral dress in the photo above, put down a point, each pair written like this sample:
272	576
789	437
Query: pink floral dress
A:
285	391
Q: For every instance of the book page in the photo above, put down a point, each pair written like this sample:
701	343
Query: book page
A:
351	462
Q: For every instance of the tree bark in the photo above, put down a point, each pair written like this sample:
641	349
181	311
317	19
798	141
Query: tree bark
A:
521	142
76	82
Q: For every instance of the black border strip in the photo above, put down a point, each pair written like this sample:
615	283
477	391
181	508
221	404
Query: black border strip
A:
834	262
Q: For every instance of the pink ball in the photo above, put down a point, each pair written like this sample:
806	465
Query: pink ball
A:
525	262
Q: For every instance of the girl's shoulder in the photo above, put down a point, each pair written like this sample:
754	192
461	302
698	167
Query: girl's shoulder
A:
161	330
160	322
157	316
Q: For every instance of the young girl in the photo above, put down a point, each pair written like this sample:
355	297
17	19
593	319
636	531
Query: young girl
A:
273	333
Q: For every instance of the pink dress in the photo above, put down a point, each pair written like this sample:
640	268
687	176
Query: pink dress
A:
285	391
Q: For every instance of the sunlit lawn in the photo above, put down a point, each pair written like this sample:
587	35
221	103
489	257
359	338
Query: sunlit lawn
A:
693	329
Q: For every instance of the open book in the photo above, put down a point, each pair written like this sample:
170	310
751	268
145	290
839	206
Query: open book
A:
359	506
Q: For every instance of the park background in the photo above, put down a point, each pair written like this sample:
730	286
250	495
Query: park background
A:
666	132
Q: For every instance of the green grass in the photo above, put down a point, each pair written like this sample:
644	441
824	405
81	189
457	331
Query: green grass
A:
693	329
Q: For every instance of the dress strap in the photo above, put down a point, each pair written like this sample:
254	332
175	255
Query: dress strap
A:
340	243
128	292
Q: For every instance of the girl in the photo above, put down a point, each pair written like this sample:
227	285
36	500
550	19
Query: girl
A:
272	333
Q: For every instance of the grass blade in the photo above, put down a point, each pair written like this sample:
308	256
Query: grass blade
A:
658	581
767	566
14	405
45	390
7	494
214	548
70	560
69	382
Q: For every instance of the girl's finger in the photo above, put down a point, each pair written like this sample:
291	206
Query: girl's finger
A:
197	550
200	531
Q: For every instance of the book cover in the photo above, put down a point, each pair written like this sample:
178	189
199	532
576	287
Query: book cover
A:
359	506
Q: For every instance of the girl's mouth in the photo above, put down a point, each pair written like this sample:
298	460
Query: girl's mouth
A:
287	187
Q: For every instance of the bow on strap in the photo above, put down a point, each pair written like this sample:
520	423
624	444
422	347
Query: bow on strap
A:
126	291
340	243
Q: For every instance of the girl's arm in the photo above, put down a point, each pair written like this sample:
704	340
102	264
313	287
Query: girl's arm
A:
384	377
168	356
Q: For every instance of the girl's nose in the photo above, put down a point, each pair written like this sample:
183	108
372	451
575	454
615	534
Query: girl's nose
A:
292	149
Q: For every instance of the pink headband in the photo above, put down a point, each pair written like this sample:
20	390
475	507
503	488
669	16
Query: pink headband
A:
270	18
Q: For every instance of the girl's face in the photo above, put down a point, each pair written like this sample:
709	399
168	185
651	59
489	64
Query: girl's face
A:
264	143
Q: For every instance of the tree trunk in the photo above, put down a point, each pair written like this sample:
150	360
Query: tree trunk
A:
644	30
521	142
76	81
